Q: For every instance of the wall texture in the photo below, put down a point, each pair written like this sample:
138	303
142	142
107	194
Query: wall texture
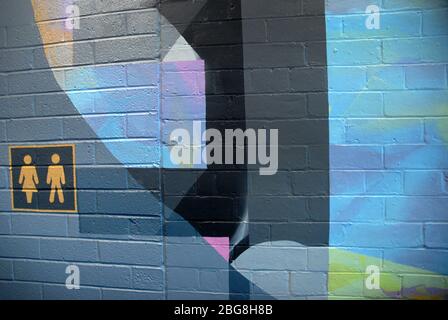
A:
362	117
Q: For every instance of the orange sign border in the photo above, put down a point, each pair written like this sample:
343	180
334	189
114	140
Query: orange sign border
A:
73	146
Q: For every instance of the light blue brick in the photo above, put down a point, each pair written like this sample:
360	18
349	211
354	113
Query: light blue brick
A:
144	151
6	269
308	283
357	209
423	183
136	253
356	157
435	22
337	131
20	291
129	203
413	4
436	236
115	294
359	104
105	276
97	77
356	52
273	282
183	279
417	209
147	279
143	126
41	271
384	131
143	74
193	296
416	103
60	292
69	250
15	247
349	6
399	51
16	107
127	100
34	129
39	224
377	236
384	183
434	49
273	258
385	78
436	131
416	157
99	178
5	223
429	260
347	182
200	256
425	77
399	24
214	280
347	78
334	27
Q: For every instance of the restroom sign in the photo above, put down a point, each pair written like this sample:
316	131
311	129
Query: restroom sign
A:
43	178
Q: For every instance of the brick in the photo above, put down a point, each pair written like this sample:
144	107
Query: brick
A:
279	184
143	74
2	37
200	255
3	85
98	178
403	4
434	22
24	35
265	8
384	183
20	291
16	60
123	5
6	270
392	25
145	151
143	22
347	182
349	6
398	260
313	234
436	236
69	250
305	29
146	227
101	26
135	48
186	279
182	108
436	130
356	157
64	55
357	52
15	247
424	183
64	104
425	77
415	157
216	281
310	183
16	107
98	225
287	208
353	105
35	82
5	224
96	77
147	279
3	131
415	50
308	79
416	209
433	286
334	27
34	129
415	103
129	100
264	81
385	78
274	55
143	126
129	203
135	253
59	292
105	276
308	283
273	258
114	294
384	131
377	236
273	282
254	30
347	78
39	225
357	209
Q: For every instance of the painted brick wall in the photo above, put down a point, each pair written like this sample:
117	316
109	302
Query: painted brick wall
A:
103	88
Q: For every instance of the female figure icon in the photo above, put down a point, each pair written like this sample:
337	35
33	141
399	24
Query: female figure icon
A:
28	178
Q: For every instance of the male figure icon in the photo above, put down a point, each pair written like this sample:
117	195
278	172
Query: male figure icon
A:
56	178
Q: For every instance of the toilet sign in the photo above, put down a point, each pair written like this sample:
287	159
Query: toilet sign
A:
43	178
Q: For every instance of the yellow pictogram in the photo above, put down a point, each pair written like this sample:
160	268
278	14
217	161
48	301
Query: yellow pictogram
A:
56	178
28	178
